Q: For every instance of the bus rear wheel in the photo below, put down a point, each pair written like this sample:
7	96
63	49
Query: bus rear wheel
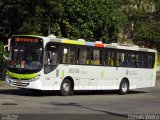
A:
65	87
124	87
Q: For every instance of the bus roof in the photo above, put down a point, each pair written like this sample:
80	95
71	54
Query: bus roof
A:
28	36
99	44
96	43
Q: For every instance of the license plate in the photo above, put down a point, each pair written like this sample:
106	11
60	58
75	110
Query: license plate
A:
19	82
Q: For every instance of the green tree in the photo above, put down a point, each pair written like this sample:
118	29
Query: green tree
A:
143	22
92	19
88	19
1	51
49	12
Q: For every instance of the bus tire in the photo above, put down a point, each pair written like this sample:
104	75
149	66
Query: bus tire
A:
124	87
65	87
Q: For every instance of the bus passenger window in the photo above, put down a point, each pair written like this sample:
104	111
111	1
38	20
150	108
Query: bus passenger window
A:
133	60
136	62
95	58
140	60
128	60
82	56
65	55
88	56
120	59
148	63
69	55
109	56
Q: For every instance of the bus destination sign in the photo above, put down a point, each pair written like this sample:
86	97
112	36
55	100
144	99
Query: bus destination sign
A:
27	39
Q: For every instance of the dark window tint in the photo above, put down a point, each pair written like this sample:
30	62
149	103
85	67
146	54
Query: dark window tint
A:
148	60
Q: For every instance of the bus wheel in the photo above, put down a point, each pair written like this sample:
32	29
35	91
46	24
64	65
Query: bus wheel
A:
124	87
65	87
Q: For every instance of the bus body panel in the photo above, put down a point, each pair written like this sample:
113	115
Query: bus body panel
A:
97	79
89	76
147	78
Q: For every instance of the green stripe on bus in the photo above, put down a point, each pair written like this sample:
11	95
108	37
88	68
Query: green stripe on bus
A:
62	73
156	58
152	76
102	74
21	76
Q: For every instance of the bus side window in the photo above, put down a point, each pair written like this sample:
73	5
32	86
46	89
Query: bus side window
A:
82	56
95	57
109	56
69	55
136	62
65	55
72	56
120	59
133	60
110	61
88	56
148	63
139	60
128	60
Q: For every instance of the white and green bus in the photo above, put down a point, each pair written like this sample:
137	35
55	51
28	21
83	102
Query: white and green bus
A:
52	63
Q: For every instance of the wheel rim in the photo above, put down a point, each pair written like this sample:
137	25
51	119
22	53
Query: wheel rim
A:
124	87
66	87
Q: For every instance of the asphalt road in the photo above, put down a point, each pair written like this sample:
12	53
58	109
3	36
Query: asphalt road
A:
20	104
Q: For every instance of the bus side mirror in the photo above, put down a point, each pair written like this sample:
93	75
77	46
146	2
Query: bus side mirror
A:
6	52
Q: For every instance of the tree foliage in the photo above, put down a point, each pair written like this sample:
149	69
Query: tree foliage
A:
88	19
91	20
143	21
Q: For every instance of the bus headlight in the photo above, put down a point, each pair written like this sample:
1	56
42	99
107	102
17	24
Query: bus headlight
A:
36	78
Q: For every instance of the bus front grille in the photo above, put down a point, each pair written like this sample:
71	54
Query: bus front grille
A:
20	83
16	82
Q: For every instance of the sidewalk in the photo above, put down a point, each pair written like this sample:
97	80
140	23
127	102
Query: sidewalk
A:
2	83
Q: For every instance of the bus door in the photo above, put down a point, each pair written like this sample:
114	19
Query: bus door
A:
51	63
130	68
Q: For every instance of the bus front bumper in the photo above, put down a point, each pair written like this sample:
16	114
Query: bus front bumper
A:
23	83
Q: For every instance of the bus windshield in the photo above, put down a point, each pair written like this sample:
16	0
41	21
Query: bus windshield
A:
26	55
